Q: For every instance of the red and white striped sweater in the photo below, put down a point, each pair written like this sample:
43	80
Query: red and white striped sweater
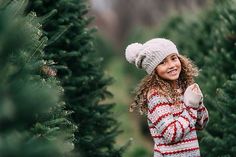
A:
173	127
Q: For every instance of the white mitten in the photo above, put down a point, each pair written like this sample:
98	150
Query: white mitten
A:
192	96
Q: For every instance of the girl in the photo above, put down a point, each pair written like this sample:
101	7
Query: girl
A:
169	97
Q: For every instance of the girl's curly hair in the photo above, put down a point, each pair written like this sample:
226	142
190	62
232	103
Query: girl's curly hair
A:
186	78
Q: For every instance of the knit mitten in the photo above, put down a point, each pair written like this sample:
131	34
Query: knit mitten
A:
193	96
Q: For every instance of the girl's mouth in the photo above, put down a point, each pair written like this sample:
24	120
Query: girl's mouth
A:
172	72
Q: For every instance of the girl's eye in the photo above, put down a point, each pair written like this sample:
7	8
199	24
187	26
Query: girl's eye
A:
174	58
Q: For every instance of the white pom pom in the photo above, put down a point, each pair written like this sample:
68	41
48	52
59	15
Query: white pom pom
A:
132	51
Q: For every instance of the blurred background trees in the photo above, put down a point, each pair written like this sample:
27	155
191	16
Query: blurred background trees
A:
118	18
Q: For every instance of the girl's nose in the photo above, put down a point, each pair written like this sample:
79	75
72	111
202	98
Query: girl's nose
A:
170	64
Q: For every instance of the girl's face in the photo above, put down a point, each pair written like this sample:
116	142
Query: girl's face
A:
169	68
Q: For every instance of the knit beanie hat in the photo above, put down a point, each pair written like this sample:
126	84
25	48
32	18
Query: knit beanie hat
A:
148	55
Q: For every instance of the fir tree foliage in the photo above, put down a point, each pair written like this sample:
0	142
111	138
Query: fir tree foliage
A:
222	54
219	66
81	75
223	143
33	119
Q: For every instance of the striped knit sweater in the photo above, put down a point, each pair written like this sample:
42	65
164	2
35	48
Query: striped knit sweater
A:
173	127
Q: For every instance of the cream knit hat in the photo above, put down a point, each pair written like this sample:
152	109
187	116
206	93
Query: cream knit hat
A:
148	55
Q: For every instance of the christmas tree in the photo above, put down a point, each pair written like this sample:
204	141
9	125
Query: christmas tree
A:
82	78
222	142
33	119
221	57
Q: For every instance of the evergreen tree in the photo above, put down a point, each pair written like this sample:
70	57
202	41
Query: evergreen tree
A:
219	66
33	120
81	75
223	143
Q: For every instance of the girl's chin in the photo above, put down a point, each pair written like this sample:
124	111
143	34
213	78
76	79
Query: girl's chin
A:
173	78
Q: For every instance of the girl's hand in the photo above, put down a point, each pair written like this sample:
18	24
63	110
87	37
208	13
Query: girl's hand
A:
193	96
195	88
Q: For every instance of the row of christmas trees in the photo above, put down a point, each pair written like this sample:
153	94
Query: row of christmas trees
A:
51	85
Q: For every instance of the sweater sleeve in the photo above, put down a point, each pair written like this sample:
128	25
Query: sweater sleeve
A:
202	116
160	115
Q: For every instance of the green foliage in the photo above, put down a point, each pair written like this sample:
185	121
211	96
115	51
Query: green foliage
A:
223	143
140	152
72	48
104	49
33	121
221	57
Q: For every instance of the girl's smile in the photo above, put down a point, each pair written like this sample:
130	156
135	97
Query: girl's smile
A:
172	72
